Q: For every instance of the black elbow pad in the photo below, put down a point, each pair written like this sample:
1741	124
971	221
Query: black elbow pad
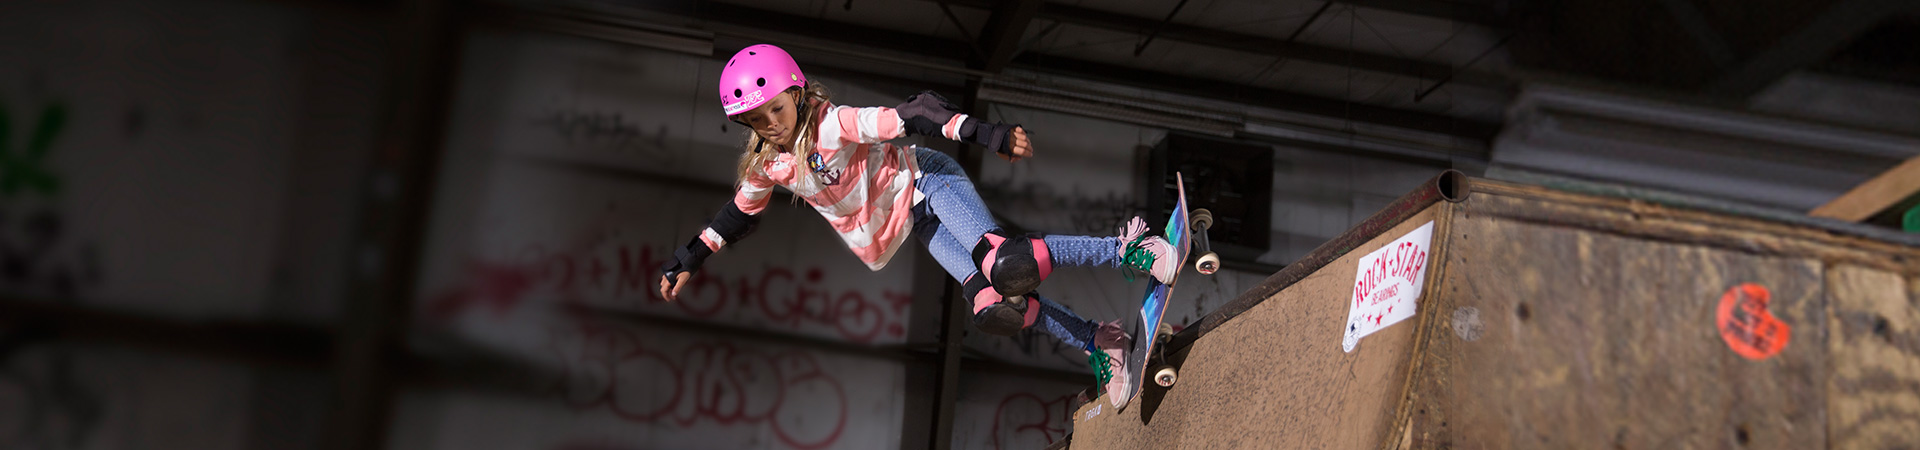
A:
925	113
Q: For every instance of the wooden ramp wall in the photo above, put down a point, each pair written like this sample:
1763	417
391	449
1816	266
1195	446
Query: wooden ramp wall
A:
1557	320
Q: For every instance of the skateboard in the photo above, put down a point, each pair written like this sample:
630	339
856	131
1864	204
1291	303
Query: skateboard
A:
1150	332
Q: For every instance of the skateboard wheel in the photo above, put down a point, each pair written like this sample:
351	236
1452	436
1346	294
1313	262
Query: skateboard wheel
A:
1208	264
1202	218
1165	376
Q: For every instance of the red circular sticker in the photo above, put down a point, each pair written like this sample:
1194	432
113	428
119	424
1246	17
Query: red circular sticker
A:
1747	326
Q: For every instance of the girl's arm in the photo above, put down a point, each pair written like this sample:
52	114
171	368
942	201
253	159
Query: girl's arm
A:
733	223
926	113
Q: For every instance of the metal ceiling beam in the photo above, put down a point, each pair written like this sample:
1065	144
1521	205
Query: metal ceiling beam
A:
861	35
1246	42
1156	30
1233	125
1704	36
1458	12
1370	150
1439	9
1813	43
1001	37
1422	95
1232	41
1270	98
870	37
594	22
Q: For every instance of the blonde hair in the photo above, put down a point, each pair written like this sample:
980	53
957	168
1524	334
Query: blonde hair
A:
809	102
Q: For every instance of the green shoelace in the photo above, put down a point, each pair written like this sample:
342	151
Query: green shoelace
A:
1102	371
1137	258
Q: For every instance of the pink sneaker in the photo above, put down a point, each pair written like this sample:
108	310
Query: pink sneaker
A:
1147	254
1113	341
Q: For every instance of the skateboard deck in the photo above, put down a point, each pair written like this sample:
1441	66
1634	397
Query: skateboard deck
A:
1155	304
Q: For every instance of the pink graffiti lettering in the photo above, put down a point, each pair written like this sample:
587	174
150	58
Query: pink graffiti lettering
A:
627	275
850	312
614	368
1029	421
499	287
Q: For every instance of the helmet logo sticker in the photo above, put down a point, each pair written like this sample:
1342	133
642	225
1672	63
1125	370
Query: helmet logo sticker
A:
752	99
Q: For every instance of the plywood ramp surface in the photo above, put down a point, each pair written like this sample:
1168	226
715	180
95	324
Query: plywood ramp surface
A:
1874	392
1597	340
1560	320
1275	376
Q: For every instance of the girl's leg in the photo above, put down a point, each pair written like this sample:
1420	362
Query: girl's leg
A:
1084	251
1053	318
951	255
952	218
1064	324
951	197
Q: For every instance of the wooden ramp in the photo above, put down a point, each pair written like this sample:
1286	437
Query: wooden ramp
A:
1567	317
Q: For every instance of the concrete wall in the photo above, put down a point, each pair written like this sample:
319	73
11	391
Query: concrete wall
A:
153	145
188	160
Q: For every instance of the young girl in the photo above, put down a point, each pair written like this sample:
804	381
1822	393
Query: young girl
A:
874	194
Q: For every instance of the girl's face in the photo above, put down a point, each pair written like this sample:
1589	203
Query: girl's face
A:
773	121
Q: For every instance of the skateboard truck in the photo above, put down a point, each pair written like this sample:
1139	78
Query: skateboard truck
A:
1164	375
1209	262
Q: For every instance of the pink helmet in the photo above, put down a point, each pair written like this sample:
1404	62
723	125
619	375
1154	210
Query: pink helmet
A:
755	75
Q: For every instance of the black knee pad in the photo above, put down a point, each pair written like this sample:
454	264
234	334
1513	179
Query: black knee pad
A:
1000	319
995	314
1013	265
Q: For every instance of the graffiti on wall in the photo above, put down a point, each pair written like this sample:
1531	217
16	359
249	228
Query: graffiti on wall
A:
43	406
39	256
614	130
608	367
627	275
1031	421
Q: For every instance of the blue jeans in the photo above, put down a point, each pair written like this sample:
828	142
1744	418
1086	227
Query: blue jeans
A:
952	218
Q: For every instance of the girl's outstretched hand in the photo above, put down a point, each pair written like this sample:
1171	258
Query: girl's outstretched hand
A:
1021	148
670	290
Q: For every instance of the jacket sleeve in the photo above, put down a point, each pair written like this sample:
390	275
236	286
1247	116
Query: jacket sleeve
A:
735	221
927	113
868	125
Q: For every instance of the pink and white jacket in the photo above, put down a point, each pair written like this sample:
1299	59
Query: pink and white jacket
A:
862	185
